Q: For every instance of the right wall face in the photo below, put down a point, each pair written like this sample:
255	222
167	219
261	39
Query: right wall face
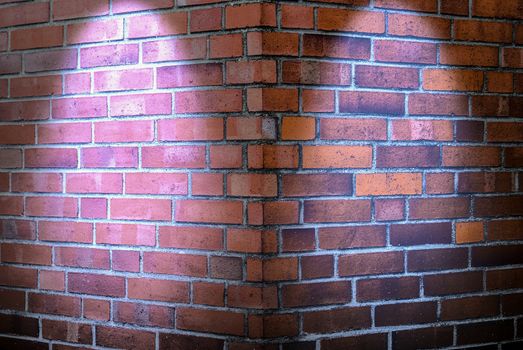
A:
399	163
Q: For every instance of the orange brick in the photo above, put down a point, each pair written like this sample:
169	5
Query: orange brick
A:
388	184
469	232
298	128
469	55
337	156
421	26
297	16
250	15
452	80
351	21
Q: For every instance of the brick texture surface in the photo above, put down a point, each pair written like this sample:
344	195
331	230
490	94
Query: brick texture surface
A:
250	174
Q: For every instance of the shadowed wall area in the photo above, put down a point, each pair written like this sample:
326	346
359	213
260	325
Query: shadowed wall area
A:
237	175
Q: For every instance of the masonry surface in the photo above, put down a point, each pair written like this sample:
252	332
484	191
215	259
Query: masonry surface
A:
230	175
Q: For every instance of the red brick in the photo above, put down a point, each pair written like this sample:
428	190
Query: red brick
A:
82	257
407	156
112	157
318	100
252	297
440	104
122	6
36	182
204	184
27	110
209	293
52	280
205	238
351	21
26	254
326	293
33	38
94	183
472	30
210	211
27	13
250	128
222	322
280	213
489	8
11	64
189	75
421	26
439	183
227	45
64	133
208	101
17	229
190	129
405	52
121	337
109	55
141	209
389	209
175	264
36	86
454	7
250	15
96	284
81	232
272	99
272	43
52	206
64	9
484	182
273	156
226	156
471	156
203	20
126	260
11	205
144	314
123	80
224	267
336	211
173	157
158	290
500	82
157	25
18	277
387	77
96	309
416	5
79	107
247	72
123	131
317	266
155	183
77	83
298	128
252	185
432	208
297	16
512	57
67	331
54	304
280	269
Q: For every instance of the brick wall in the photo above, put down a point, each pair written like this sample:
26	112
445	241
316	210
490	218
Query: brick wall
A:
209	174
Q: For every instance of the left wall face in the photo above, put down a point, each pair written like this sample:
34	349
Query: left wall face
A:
125	204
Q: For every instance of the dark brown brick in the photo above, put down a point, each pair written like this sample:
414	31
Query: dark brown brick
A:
21	344
370	264
368	341
498	206
372	102
512	304
337	320
497	255
472	307
335	46
317	266
298	240
294	295
453	283
425	338
469	131
505	279
484	182
484	332
18	325
182	342
387	288
419	234
301	185
406	313
500	230
437	259
352	237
